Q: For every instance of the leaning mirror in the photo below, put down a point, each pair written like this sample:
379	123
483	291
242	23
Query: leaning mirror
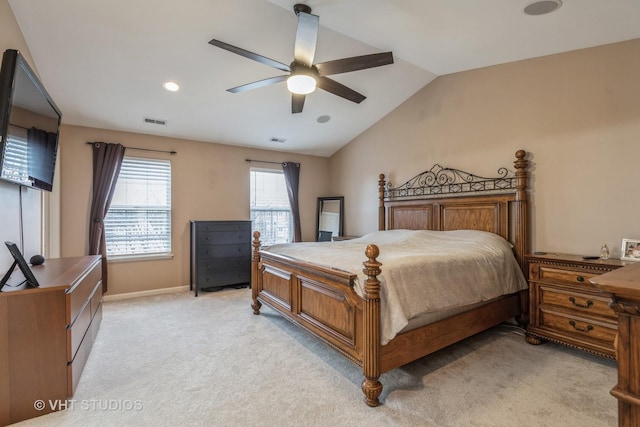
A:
330	218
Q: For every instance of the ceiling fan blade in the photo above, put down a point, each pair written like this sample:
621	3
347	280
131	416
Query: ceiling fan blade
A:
259	83
354	63
297	102
306	38
254	56
339	89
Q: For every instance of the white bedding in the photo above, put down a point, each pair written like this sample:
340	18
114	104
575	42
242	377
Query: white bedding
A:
422	271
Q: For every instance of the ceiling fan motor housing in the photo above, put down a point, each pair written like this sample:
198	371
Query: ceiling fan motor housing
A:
297	8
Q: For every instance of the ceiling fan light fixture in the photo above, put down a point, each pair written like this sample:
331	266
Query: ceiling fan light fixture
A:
171	86
301	84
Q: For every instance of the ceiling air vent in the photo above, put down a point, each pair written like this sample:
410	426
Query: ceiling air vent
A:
155	121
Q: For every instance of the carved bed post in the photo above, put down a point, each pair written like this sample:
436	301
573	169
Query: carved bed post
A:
371	386
255	272
521	223
381	210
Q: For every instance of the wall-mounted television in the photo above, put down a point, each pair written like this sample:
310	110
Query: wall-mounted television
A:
29	125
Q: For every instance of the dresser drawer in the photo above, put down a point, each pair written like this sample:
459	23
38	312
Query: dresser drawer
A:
223	238
80	292
578	326
223	278
77	330
587	305
223	226
210	265
225	251
554	275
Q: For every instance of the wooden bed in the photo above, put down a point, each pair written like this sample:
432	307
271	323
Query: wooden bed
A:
323	301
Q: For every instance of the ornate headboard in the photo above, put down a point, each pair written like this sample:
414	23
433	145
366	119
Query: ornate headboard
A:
451	199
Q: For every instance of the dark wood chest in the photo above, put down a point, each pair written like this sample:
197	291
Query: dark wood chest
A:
220	254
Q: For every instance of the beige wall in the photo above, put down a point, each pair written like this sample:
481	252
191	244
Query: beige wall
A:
209	182
577	113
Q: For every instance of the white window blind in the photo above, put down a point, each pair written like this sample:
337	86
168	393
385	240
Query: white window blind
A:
15	165
139	218
270	209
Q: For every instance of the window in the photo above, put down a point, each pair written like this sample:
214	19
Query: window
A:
270	209
139	219
15	167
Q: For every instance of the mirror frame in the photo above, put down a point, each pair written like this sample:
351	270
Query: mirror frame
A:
321	201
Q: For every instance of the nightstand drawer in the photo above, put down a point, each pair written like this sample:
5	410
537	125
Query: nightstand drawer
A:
589	305
577	326
565	276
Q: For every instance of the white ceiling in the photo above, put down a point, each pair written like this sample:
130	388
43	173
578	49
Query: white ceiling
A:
104	62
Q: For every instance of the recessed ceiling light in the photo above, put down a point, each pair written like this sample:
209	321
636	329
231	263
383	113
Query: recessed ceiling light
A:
323	119
171	86
542	7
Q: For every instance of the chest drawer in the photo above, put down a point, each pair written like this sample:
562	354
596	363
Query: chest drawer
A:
208	265
223	238
206	226
224	251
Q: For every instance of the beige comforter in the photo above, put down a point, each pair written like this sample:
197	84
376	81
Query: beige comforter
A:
422	271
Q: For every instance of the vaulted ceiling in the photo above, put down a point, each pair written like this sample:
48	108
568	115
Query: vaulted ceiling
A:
104	62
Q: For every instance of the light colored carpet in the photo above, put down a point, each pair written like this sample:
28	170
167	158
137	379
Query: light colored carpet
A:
179	360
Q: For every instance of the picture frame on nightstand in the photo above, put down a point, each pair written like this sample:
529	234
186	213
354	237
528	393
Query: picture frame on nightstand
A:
630	250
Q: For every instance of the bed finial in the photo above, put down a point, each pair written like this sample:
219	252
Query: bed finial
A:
255	273
381	210
521	220
371	385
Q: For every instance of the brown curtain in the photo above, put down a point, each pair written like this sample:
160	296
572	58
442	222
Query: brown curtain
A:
107	161
292	178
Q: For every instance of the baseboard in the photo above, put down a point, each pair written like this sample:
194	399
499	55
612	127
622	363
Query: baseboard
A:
152	292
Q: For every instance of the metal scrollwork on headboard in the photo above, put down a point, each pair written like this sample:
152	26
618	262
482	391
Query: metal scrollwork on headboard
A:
439	181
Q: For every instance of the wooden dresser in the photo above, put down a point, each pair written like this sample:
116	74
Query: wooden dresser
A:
220	254
565	307
46	335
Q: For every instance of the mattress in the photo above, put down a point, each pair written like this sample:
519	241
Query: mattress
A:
423	272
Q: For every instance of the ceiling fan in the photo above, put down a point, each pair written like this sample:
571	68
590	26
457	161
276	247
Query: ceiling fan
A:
304	76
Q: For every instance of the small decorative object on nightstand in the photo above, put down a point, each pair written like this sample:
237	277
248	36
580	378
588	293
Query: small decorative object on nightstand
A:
565	307
604	251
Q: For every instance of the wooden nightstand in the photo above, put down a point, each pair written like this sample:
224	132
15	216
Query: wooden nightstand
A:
565	307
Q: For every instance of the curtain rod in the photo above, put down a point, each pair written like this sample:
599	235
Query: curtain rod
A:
144	149
263	161
267	161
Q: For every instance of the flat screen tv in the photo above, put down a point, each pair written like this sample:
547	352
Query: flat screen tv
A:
29	125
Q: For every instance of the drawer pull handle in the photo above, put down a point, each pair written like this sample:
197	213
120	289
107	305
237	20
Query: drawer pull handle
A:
577	328
580	279
587	305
